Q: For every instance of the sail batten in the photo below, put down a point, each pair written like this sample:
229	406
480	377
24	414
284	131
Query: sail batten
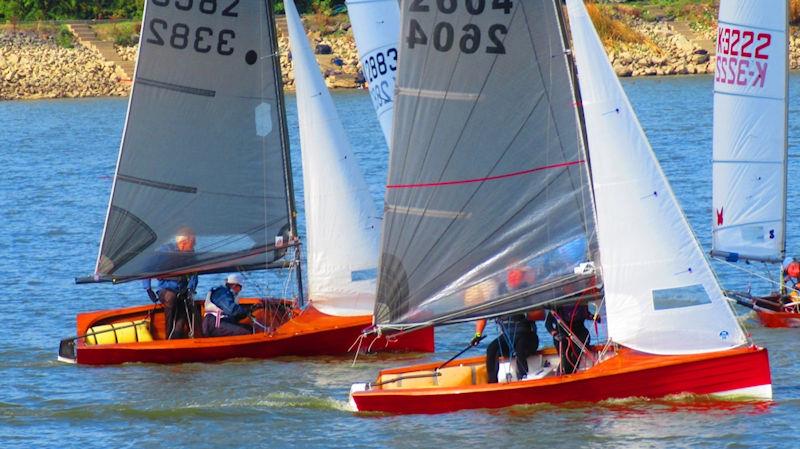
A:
204	150
750	149
489	207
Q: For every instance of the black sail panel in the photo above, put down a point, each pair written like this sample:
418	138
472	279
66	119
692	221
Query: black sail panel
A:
488	204
202	147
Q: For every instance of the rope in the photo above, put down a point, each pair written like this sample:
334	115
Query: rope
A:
359	340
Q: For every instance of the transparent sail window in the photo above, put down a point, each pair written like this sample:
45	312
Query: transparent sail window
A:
676	298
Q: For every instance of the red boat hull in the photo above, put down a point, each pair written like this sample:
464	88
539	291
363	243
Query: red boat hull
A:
308	333
626	374
771	318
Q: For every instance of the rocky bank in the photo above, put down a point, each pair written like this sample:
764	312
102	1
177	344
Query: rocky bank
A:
34	66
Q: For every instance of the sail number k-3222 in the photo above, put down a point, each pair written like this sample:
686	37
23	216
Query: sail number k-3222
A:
201	39
469	40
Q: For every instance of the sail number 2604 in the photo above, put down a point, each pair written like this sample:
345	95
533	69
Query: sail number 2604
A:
469	40
202	39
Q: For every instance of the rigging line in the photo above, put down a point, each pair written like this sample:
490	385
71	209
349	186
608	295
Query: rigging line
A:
438	117
488	178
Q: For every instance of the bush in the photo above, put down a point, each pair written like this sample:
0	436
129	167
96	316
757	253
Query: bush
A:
610	29
64	38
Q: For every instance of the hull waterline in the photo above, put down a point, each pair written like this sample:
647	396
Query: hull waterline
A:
741	373
307	333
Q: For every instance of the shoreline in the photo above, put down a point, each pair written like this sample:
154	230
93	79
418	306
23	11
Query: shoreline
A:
34	66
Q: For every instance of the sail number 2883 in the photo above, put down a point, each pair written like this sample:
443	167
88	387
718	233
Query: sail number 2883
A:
470	38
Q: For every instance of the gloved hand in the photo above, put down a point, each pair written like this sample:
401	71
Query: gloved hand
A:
476	339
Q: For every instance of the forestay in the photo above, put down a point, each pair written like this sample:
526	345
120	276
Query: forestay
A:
487	173
204	145
376	27
750	130
660	293
341	220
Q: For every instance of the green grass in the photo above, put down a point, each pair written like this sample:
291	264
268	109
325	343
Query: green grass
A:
123	33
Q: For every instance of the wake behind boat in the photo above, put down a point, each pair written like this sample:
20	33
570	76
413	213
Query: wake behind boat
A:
505	157
205	153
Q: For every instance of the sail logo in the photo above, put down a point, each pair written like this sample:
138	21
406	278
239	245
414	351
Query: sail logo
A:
719	216
742	56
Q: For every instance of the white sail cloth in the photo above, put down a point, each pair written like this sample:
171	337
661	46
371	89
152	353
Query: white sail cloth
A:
661	295
750	130
341	221
376	28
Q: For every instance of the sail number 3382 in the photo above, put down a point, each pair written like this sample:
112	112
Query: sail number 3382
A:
201	39
471	38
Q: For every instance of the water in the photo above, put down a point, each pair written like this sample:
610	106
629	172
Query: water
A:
58	158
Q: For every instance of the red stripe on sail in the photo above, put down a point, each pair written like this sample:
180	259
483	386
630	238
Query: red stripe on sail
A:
490	178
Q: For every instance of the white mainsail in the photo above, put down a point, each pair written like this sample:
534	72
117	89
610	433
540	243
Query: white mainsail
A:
750	131
661	295
376	28
341	221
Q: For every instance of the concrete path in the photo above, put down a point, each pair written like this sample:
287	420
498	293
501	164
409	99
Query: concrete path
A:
87	37
682	27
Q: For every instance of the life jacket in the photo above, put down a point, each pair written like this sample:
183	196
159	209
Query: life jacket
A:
213	309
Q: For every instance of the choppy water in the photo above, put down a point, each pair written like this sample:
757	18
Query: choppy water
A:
57	159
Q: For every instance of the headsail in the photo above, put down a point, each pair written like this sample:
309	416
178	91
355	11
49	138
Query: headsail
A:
487	171
376	27
661	295
750	130
341	221
204	145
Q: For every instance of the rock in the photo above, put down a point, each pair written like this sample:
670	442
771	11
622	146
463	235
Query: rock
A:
700	58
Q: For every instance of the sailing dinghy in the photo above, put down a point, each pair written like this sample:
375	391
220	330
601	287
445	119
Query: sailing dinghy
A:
750	158
205	146
501	160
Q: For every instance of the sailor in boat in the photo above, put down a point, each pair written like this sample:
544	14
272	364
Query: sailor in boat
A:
790	298
176	293
566	324
223	311
517	331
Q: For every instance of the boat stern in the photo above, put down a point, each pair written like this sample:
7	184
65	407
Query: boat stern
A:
356	388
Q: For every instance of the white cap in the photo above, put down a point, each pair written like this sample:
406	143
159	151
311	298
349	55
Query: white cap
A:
235	278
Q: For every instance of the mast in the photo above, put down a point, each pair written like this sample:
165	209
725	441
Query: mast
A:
287	157
576	92
785	134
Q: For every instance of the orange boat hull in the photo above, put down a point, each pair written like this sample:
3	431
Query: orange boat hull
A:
308	333
736	372
771	318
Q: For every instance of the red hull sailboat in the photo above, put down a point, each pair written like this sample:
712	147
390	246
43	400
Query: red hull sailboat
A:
306	332
524	161
206	149
741	373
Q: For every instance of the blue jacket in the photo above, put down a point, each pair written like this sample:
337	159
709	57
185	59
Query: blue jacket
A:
224	298
176	283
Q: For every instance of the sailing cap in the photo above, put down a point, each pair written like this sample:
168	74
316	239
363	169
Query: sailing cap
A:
235	278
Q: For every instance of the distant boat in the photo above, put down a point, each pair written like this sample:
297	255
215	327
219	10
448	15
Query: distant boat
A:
751	88
504	157
205	146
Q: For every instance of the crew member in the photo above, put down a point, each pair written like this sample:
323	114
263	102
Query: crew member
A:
223	312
